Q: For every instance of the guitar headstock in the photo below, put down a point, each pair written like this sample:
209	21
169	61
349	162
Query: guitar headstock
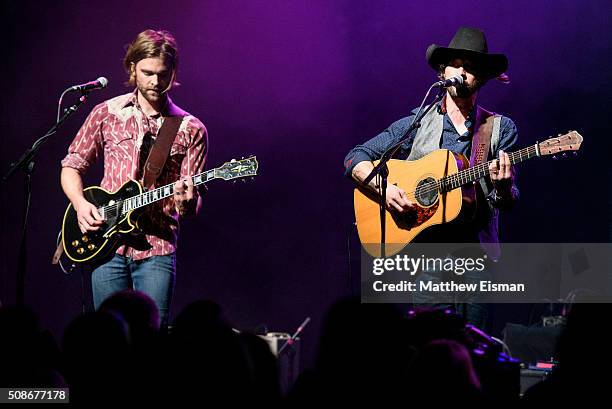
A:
235	169
570	141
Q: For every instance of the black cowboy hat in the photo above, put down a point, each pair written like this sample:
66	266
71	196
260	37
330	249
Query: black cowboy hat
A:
469	42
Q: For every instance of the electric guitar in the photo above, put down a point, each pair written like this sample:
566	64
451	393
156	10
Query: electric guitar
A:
439	185
122	208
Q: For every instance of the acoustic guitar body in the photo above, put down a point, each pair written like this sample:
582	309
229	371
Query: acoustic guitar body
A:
419	180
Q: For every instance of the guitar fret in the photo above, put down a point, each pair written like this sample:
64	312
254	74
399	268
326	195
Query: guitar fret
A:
162	192
481	170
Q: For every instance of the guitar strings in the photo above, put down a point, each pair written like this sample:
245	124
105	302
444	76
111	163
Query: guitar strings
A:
429	187
114	206
204	177
466	173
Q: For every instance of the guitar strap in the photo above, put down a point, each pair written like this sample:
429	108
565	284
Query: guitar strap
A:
159	152
482	136
481	141
152	169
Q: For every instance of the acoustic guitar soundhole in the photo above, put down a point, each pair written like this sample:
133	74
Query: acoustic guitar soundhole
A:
426	193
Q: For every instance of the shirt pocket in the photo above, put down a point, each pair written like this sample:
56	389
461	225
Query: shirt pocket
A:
118	133
119	137
123	139
120	145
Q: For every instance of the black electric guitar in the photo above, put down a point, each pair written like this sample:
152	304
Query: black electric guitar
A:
121	209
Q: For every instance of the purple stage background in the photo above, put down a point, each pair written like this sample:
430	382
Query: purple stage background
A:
298	83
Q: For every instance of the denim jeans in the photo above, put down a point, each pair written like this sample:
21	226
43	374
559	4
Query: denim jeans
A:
153	276
470	306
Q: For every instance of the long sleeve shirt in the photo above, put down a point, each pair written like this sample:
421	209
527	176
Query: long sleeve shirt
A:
119	130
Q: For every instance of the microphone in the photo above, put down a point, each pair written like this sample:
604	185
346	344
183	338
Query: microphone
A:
101	82
451	82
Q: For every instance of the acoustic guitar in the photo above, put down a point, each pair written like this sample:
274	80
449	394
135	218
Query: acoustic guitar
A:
440	185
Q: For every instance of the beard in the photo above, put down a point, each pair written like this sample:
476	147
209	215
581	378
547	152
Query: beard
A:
465	90
152	96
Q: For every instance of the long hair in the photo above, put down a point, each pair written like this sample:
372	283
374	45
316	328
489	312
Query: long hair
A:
151	44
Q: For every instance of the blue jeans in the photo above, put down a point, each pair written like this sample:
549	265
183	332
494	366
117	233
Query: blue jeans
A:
469	306
153	276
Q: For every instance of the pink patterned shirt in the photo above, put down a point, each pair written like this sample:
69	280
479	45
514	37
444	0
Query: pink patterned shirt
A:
119	128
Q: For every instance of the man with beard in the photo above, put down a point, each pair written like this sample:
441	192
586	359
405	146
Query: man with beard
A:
125	129
452	125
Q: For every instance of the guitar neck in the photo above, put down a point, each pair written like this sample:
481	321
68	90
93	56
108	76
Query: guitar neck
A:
163	192
481	170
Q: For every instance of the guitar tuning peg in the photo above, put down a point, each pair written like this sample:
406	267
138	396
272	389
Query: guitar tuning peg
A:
564	155
233	160
555	157
575	153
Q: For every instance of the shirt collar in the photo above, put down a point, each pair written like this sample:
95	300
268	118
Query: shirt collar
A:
132	100
442	109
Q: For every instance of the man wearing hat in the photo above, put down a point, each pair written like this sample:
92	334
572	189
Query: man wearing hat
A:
454	124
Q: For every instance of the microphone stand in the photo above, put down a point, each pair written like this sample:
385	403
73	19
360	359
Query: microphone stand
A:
26	164
382	170
291	340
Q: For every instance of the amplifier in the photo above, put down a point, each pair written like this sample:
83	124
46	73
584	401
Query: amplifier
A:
530	377
531	344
